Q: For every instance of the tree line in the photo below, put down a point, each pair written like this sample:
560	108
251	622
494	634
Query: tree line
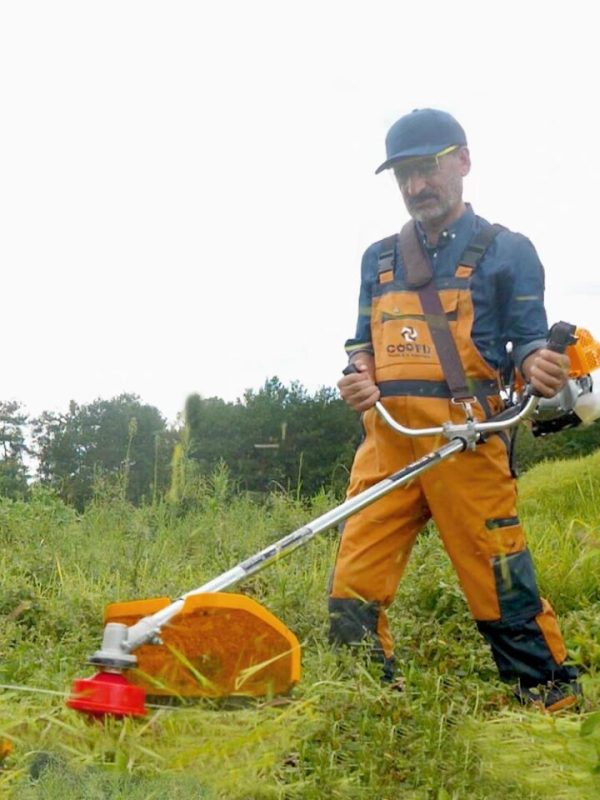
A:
275	437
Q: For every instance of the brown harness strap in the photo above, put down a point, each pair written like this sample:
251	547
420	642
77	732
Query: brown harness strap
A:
419	276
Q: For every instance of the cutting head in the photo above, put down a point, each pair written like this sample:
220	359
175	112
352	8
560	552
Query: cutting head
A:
220	644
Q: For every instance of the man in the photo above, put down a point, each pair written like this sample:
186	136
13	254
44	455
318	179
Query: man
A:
490	283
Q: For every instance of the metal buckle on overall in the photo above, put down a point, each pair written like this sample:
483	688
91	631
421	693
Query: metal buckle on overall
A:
466	430
467	405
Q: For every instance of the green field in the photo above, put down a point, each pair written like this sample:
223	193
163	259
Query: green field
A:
453	733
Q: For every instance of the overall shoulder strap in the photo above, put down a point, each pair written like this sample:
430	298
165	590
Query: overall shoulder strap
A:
418	274
387	260
477	248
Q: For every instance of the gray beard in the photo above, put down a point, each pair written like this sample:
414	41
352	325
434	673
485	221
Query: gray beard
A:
441	209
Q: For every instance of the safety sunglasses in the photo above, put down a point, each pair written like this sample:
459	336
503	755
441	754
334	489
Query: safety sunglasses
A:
422	167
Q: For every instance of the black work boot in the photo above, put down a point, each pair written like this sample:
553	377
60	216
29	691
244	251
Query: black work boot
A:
390	676
550	697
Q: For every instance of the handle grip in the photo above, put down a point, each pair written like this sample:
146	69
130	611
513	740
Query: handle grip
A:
350	369
561	336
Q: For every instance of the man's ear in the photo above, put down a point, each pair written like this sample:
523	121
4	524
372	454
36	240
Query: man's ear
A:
464	159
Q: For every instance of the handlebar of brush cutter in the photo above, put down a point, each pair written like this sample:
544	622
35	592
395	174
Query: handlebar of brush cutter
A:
560	336
506	418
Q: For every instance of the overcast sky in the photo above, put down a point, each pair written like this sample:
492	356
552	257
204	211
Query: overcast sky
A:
186	188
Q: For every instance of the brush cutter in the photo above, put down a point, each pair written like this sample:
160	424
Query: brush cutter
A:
212	643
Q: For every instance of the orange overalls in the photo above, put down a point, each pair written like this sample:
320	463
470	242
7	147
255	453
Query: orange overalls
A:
471	497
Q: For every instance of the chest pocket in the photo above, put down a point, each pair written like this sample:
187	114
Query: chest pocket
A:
401	335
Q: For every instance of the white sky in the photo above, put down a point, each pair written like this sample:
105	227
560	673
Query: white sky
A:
186	188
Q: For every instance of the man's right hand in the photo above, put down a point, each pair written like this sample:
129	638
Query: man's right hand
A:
359	389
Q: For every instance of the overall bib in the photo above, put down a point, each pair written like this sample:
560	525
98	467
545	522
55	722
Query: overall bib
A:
470	496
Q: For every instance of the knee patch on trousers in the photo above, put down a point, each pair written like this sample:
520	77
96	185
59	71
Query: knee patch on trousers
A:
352	621
516	587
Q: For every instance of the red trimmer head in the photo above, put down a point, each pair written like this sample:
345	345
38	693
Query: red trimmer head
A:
107	693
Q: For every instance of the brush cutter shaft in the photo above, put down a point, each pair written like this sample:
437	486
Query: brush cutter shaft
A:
147	628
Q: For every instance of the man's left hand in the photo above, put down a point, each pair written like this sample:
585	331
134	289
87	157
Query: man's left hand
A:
546	371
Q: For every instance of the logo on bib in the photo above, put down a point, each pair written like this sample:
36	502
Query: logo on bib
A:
408	347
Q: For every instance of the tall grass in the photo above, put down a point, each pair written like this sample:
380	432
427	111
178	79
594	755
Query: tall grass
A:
453	733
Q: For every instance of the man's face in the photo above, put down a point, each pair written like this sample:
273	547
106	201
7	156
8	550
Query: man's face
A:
432	186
